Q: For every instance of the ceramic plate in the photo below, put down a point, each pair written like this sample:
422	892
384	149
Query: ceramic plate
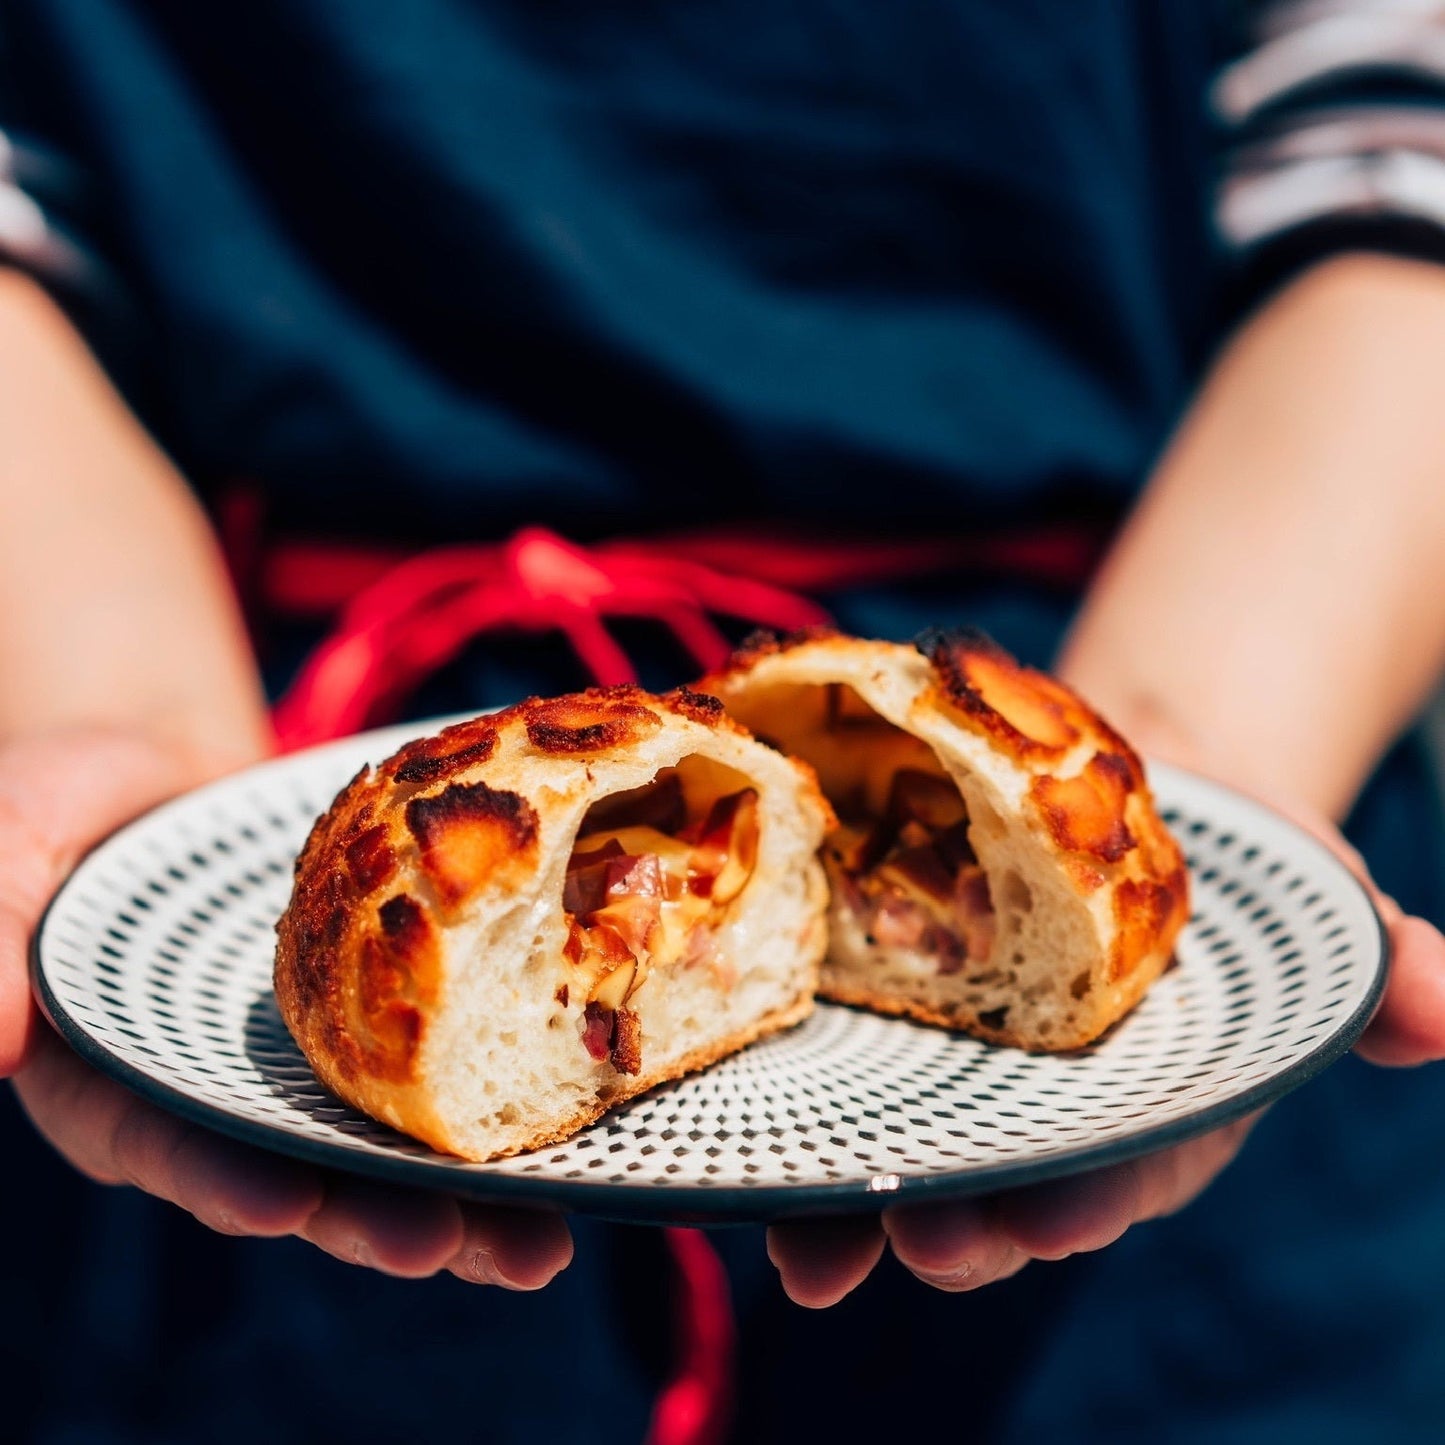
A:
154	960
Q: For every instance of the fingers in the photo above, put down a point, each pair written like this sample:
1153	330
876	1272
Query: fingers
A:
58	796
1075	1216
966	1244
822	1260
75	1108
1090	1211
397	1231
17	1016
225	1185
1409	1027
970	1243
414	1234
954	1247
114	1137
519	1249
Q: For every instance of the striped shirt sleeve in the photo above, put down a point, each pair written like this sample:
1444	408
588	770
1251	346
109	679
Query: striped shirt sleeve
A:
1335	112
35	189
43	198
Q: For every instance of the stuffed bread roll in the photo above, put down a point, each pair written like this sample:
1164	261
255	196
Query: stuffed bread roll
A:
510	927
998	865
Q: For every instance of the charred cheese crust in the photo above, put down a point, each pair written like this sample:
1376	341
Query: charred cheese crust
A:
1102	820
1083	789
409	845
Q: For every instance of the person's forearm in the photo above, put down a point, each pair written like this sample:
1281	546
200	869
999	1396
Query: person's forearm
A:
114	606
1277	603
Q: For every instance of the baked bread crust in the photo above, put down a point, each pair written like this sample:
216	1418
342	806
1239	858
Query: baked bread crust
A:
426	923
1088	887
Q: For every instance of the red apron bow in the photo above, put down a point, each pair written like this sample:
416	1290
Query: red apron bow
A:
418	616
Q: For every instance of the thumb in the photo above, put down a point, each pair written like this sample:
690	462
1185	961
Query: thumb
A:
59	795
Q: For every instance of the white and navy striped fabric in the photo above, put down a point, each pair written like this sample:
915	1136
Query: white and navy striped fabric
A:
1336	110
36	187
42	196
1337	113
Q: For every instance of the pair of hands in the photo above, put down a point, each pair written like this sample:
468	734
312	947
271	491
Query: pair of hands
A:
61	794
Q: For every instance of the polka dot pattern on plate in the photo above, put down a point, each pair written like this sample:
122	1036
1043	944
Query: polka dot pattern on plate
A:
155	961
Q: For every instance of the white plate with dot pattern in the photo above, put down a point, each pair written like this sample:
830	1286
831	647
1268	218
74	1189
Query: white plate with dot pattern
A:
154	961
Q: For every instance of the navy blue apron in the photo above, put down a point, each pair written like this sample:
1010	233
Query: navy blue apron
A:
444	269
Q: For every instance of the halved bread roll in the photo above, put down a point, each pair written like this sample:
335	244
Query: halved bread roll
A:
999	866
510	927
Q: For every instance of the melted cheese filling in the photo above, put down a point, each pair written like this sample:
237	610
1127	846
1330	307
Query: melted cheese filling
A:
901	859
651	876
911	873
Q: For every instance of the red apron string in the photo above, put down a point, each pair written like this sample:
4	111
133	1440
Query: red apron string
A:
314	578
418	616
695	1406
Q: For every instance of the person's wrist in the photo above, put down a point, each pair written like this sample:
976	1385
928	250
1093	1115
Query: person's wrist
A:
1143	719
1156	727
197	745
1150	729
205	747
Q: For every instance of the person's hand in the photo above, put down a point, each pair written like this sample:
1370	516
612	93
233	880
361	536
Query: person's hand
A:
58	796
964	1245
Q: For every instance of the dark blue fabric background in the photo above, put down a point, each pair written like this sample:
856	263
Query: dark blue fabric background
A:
645	263
446	267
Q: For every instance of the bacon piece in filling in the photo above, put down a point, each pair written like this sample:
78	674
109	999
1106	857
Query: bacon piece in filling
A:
647	887
912	876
